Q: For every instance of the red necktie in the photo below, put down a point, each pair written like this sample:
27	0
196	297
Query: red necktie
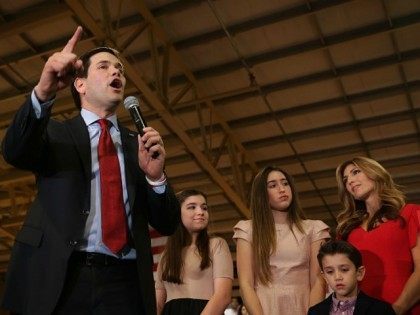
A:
114	224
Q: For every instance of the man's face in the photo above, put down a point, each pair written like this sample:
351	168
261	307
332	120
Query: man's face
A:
103	88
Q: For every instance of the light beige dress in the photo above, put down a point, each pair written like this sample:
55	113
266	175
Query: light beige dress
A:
288	294
197	283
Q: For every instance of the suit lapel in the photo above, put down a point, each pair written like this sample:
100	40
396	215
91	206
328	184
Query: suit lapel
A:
129	141
362	304
80	135
326	305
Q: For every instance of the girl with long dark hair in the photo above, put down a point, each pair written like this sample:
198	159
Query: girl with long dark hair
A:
195	272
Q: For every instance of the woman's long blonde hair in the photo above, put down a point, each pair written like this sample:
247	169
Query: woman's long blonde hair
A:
263	226
354	213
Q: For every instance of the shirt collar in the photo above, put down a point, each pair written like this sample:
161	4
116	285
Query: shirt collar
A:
343	305
90	118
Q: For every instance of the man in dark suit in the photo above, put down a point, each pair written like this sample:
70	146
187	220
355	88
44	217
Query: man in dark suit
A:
84	247
341	266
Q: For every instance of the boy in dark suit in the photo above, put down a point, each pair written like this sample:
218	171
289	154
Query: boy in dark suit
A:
341	266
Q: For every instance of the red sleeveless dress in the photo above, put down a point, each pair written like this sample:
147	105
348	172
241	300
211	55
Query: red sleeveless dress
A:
386	252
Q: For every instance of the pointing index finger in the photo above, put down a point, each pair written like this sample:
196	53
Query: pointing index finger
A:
73	41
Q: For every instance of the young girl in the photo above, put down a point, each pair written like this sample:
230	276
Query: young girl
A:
195	272
378	222
276	250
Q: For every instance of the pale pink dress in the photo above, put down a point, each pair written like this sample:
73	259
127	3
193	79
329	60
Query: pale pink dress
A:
288	294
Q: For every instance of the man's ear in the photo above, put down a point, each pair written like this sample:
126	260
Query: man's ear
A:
360	273
79	84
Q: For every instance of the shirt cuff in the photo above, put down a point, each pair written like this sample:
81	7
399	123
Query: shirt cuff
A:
40	108
159	186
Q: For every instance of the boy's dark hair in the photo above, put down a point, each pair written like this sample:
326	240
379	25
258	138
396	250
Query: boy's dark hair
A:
340	247
82	73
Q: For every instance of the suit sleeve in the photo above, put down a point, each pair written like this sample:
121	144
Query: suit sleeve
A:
164	210
25	138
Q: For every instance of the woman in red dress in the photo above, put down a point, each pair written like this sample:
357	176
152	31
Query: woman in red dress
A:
378	222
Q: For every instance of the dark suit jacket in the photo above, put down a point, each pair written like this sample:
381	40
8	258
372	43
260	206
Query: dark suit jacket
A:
58	153
365	305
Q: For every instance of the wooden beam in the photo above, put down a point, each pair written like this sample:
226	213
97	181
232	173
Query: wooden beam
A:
39	15
5	233
12	221
223	227
175	56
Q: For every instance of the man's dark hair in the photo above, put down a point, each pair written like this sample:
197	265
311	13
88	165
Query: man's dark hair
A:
340	247
82	73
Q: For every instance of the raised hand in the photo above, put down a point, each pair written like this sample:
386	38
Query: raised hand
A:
59	69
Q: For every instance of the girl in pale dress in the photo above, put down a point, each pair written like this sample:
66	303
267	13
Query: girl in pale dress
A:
276	250
195	272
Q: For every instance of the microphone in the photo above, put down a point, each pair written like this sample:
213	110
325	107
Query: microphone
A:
131	103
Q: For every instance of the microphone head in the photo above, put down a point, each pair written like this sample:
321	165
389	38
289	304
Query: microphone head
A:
131	101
